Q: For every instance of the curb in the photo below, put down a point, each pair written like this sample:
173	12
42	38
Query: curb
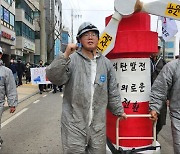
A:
23	99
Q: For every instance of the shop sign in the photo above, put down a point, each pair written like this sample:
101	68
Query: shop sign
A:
17	52
7	36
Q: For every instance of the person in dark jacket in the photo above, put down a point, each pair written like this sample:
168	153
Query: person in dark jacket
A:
28	72
177	57
13	67
55	88
20	71
157	63
49	86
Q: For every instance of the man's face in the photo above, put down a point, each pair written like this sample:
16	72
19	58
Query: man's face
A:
156	54
41	62
89	40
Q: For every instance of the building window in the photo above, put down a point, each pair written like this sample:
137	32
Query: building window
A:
7	18
37	34
169	45
6	15
55	19
12	19
23	30
18	4
18	29
60	14
61	26
169	55
9	2
29	15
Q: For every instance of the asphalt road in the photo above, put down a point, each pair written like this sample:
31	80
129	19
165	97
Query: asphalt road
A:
165	138
35	128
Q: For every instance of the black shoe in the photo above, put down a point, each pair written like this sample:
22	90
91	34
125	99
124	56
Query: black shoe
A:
40	92
54	92
1	141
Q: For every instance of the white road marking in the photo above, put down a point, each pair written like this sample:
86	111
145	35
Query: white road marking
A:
13	117
61	95
36	101
44	95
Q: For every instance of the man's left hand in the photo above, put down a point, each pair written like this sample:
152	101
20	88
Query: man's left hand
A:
154	115
123	116
12	109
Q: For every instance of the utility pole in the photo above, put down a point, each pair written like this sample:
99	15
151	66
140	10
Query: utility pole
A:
163	47
42	32
72	16
72	23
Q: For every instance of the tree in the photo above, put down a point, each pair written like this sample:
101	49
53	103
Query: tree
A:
53	33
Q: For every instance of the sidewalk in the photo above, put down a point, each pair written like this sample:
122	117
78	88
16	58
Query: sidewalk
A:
26	91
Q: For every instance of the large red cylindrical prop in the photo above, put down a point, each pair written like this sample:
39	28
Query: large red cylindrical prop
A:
130	56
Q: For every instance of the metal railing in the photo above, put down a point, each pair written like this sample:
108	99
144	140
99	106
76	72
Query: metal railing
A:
129	138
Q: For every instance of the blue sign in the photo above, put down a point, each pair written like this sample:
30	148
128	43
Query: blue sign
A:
65	36
57	47
38	79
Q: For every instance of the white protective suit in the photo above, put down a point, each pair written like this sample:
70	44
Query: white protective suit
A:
168	84
75	73
7	88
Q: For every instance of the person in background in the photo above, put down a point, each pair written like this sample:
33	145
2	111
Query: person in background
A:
167	84
90	86
42	87
20	71
7	89
55	88
177	56
47	87
157	63
28	72
13	67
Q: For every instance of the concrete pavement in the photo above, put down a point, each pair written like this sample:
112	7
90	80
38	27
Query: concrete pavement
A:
26	91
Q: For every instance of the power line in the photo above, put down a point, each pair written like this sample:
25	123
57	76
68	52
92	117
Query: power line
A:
78	4
87	10
76	12
72	6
